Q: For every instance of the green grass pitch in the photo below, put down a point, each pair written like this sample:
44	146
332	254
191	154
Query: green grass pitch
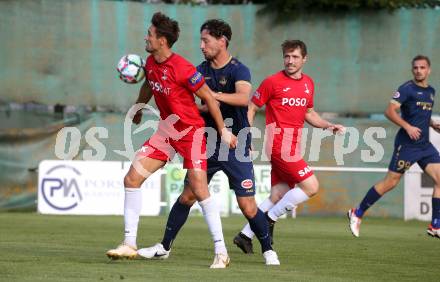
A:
72	248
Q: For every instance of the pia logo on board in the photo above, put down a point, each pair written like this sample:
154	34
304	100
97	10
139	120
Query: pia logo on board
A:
60	189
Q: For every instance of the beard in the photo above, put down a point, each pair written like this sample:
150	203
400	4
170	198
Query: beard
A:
148	48
419	78
290	72
208	57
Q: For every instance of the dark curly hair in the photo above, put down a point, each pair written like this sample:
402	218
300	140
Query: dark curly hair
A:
166	27
218	28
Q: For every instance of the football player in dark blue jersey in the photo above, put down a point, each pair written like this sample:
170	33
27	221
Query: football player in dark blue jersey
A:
231	82
415	99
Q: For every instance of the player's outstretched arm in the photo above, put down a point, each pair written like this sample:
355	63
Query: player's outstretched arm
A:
144	97
315	120
392	114
205	94
239	98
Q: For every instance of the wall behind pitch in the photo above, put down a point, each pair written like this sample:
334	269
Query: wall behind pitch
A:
66	51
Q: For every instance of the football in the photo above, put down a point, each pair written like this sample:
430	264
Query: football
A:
131	68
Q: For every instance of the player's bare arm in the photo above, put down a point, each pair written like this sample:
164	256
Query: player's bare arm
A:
204	108
252	110
205	94
144	97
239	98
392	113
315	120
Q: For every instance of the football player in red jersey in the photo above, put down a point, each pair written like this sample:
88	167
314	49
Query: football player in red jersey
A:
288	96
172	80
231	80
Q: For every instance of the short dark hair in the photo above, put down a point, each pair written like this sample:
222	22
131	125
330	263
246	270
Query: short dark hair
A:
218	28
289	45
421	57
166	27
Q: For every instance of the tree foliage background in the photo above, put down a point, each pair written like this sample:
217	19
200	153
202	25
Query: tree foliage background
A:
323	5
287	10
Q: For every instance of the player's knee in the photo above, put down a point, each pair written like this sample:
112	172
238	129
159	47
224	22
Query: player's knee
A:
391	182
194	179
312	187
187	200
249	211
131	182
313	191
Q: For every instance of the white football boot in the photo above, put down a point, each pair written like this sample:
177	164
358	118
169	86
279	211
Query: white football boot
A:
155	252
122	251
355	222
271	257
434	232
220	261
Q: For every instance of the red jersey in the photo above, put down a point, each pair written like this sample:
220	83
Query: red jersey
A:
287	101
173	83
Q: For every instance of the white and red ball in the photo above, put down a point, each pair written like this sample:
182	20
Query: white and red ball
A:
131	68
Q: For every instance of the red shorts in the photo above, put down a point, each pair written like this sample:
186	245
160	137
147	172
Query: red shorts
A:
192	147
291	173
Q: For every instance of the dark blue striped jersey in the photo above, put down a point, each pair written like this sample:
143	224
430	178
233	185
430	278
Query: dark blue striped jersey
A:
224	80
416	105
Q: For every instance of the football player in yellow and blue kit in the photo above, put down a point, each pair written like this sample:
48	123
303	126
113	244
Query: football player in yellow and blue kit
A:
230	80
415	99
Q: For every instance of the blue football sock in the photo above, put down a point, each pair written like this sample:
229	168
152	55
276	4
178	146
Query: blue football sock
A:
370	198
260	227
176	219
435	212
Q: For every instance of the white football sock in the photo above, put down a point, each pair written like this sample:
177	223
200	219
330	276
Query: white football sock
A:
132	210
292	198
212	218
264	207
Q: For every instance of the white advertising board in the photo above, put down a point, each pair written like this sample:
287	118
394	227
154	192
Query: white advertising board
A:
90	187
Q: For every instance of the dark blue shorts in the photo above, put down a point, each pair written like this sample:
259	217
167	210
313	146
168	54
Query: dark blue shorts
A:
240	173
405	156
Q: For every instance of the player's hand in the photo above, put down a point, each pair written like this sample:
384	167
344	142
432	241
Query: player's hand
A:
229	138
413	132
436	127
216	95
337	129
218	102
137	117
